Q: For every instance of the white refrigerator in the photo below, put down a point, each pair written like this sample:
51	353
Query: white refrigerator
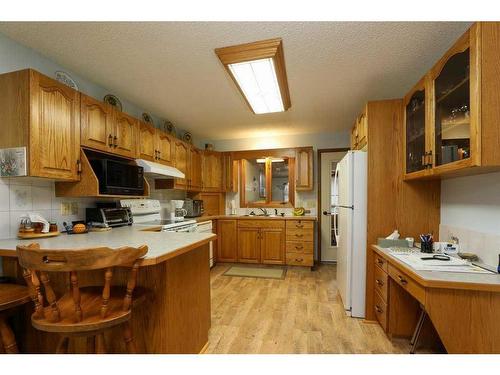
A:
350	228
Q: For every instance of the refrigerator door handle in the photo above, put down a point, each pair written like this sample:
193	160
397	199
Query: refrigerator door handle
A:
326	213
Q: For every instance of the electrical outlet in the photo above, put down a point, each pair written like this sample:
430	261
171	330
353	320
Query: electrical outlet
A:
65	208
74	208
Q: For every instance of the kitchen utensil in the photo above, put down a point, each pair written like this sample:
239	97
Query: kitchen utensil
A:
437	257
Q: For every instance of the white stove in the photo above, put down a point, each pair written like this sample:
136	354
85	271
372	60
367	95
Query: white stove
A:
147	212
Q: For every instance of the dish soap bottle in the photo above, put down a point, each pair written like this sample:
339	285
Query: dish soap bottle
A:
498	268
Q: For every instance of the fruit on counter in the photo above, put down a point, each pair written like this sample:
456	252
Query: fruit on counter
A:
299	211
79	228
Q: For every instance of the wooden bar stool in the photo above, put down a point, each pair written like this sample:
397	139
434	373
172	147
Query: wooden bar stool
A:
11	296
85	311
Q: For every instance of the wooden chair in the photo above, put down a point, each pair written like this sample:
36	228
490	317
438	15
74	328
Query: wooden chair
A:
82	311
11	296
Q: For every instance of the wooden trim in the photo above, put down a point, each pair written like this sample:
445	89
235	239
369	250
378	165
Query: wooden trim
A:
270	152
318	198
264	49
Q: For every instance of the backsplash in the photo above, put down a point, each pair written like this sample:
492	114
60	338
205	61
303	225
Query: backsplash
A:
19	196
485	245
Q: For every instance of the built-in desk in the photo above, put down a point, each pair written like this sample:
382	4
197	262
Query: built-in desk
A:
464	308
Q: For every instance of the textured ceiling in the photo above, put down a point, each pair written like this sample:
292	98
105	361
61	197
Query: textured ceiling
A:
170	69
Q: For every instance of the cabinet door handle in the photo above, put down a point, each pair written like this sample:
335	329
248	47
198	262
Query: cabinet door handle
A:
299	247
299	235
299	259
78	167
115	141
299	225
379	282
378	309
110	140
402	280
429	163
380	261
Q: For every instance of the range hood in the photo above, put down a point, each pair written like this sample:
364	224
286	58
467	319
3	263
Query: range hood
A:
158	170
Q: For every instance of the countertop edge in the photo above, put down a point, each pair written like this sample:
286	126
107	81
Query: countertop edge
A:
242	217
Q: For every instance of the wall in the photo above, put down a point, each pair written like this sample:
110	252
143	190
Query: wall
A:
470	210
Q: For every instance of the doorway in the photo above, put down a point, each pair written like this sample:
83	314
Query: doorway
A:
327	195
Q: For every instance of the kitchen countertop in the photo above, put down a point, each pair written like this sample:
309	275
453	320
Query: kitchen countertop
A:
439	279
161	245
254	217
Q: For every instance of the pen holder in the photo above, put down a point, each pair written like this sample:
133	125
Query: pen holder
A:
426	247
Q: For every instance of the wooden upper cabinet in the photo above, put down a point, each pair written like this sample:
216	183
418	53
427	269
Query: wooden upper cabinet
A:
304	169
462	110
227	241
417	146
359	132
54	131
249	245
96	124
195	167
272	245
165	148
229	173
125	135
212	171
455	115
181	163
104	128
147	142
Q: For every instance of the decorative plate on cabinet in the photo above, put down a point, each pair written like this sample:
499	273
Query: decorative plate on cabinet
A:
113	100
169	128
147	118
187	137
65	78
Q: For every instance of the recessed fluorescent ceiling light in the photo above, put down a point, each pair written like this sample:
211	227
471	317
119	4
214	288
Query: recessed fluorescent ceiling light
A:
257	79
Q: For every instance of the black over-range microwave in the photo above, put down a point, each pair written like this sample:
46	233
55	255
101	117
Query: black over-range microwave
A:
118	178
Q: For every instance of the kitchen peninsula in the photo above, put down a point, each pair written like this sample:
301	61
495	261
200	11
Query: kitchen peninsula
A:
175	318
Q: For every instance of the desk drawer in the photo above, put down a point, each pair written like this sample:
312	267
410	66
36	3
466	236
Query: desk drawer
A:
299	224
298	259
299	234
301	247
407	283
381	262
380	308
381	283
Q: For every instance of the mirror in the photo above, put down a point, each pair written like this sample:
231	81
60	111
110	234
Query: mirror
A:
267	182
279	181
255	180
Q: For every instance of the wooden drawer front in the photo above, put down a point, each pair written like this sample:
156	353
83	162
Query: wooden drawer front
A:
381	262
406	282
301	247
381	281
260	223
298	259
299	224
380	308
299	235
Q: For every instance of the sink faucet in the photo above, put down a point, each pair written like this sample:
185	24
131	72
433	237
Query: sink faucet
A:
264	211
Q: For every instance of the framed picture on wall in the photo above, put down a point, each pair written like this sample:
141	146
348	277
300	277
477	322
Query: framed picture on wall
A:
13	162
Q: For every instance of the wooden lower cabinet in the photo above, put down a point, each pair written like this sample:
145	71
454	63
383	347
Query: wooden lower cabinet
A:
261	241
227	241
272	246
380	305
249	245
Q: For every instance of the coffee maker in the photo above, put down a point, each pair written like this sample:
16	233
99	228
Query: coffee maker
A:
177	212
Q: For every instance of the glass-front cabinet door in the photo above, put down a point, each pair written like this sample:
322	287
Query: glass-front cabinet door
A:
452	110
417	155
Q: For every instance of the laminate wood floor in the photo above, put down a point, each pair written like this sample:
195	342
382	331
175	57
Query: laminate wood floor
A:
300	314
